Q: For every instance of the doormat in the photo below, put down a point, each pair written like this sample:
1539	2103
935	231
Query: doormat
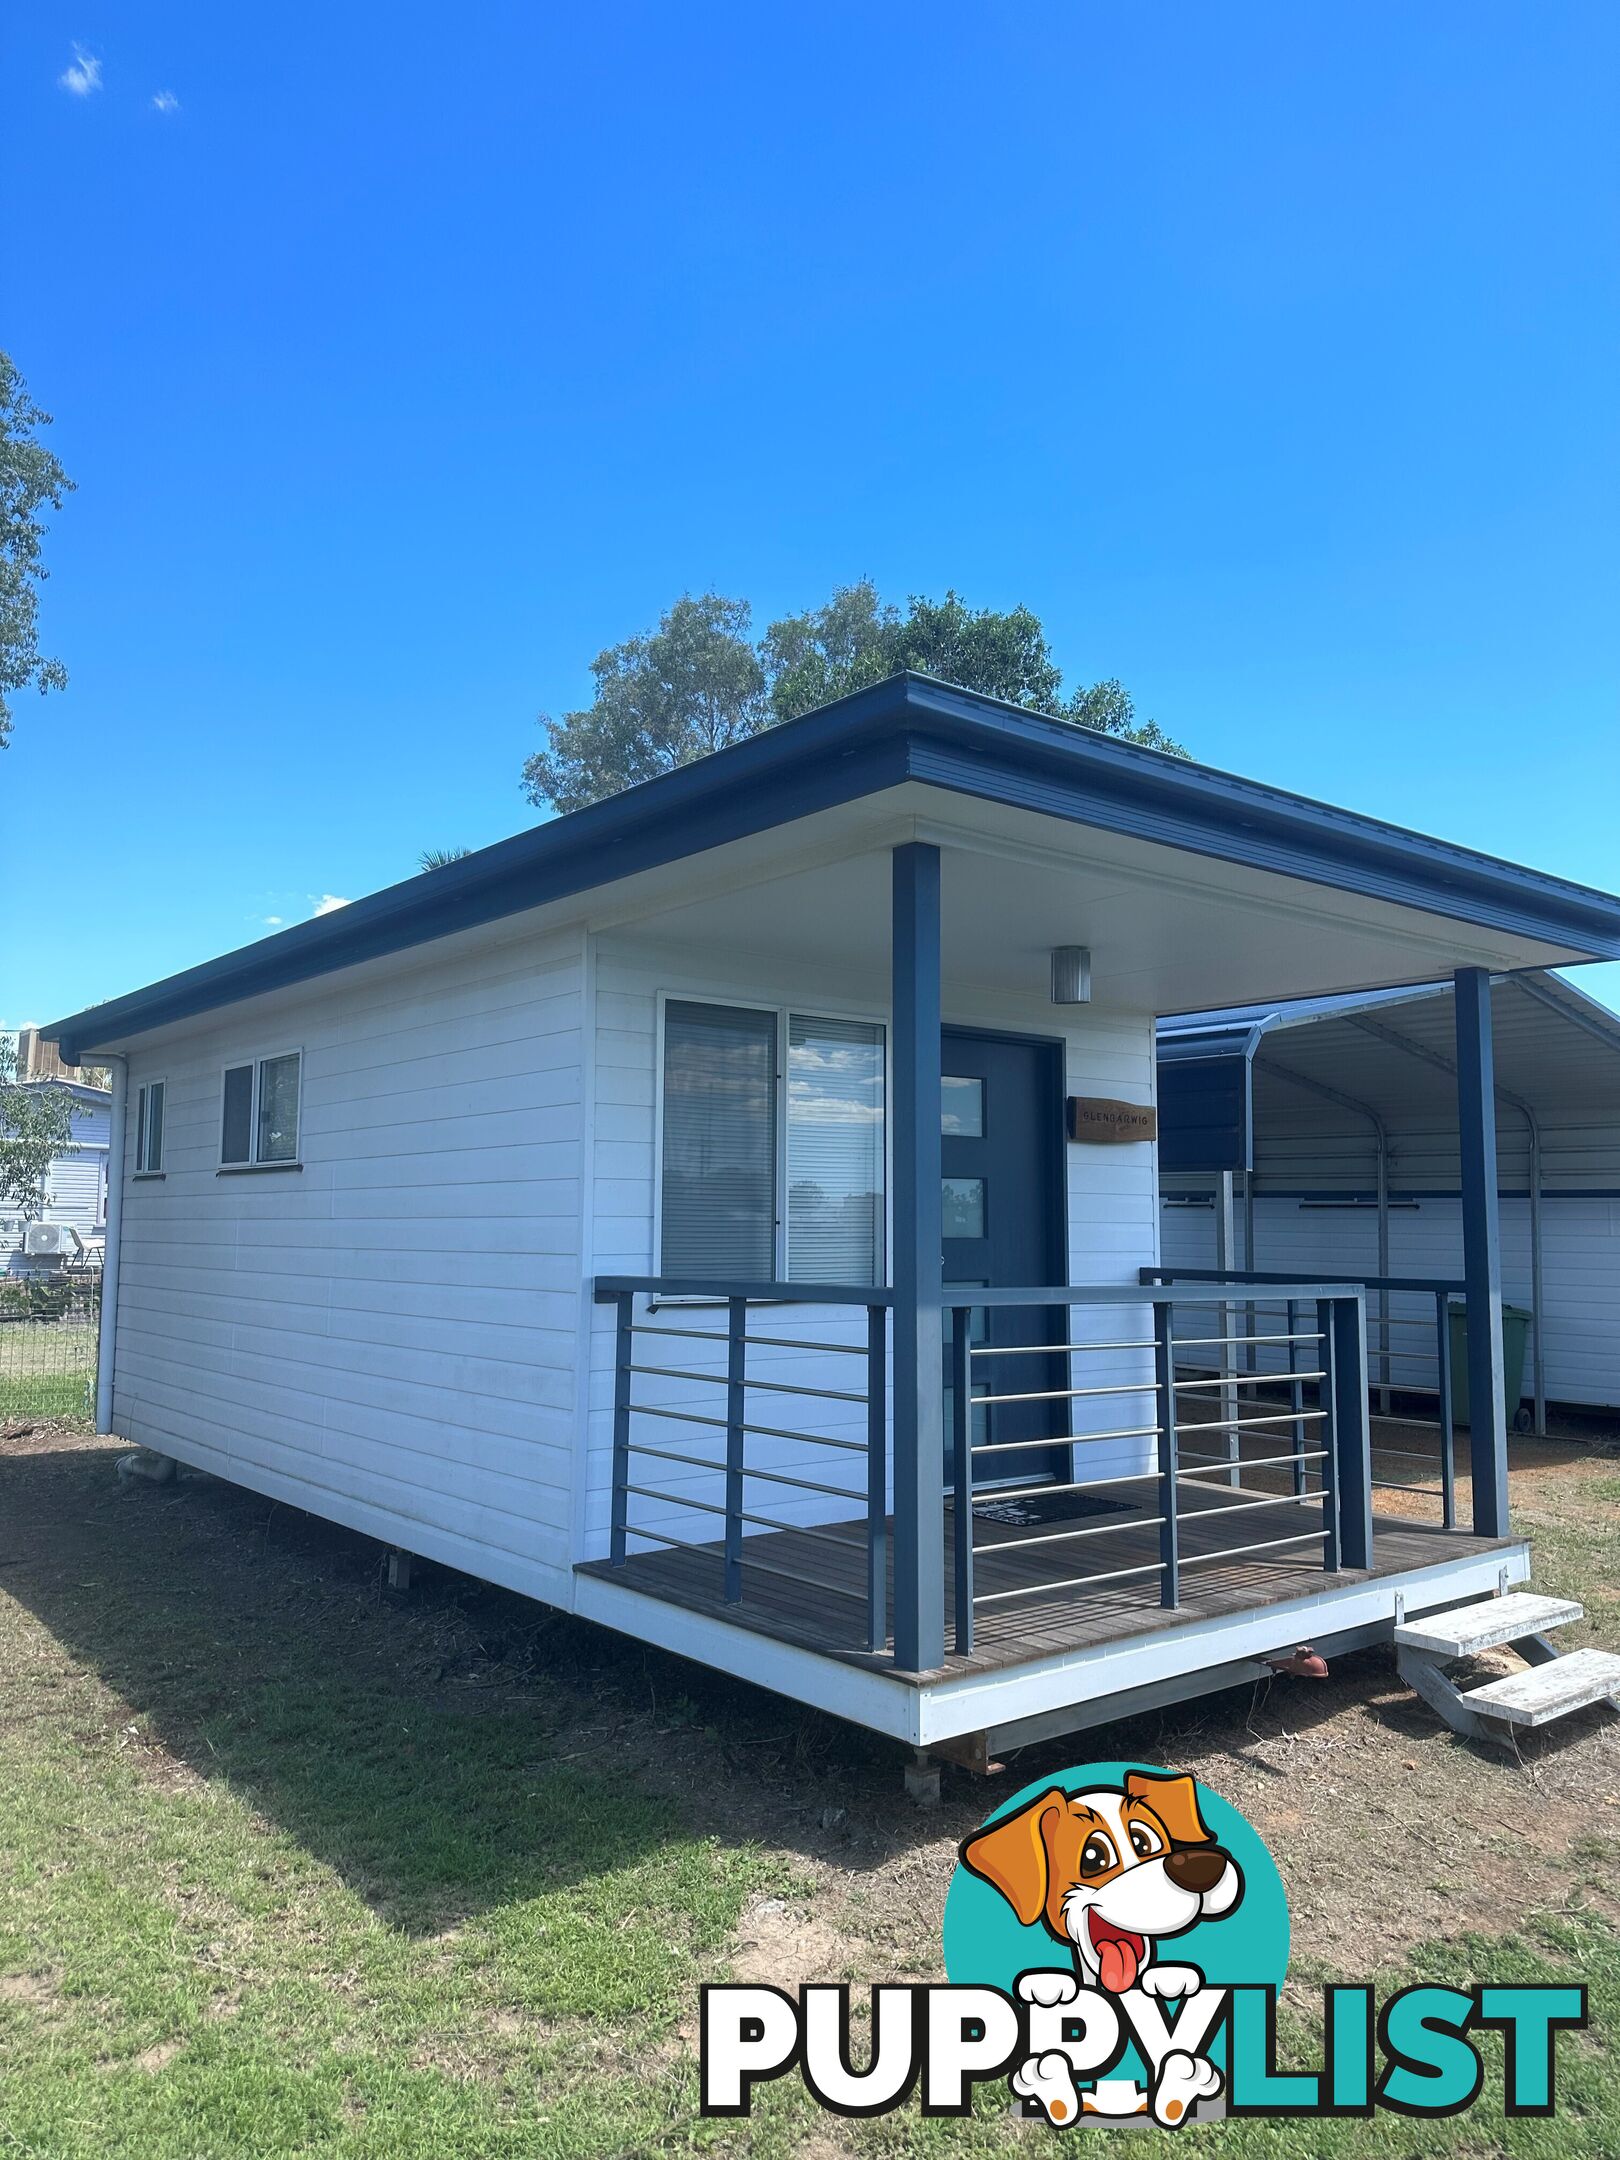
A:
1032	1508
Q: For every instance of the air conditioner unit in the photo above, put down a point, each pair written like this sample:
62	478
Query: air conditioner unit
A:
51	1240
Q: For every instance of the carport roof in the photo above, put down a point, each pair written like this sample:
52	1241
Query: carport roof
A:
1390	1052
908	729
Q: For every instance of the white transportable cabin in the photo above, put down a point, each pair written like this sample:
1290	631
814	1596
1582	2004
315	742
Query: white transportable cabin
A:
670	1214
1352	1167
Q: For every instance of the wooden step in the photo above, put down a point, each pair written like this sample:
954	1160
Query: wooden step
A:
1553	1690
1468	1629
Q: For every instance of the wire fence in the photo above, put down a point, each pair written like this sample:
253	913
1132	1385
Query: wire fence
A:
49	1326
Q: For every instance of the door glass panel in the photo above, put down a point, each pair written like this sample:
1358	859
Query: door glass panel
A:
962	1206
961	1114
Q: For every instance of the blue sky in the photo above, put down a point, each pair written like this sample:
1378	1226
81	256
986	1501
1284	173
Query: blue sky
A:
406	358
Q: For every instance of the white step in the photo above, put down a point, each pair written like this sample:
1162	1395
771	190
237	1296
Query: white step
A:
1544	1692
1467	1629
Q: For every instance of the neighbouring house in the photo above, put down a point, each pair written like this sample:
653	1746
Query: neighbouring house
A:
72	1193
1337	1118
731	1213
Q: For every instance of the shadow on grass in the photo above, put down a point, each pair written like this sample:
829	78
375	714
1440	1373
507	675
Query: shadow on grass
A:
467	1748
458	1750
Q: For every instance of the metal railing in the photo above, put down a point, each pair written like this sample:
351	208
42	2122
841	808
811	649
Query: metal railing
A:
1322	1453
737	1424
1315	1446
1405	1348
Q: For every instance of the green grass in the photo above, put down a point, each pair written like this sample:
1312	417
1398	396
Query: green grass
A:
64	1398
277	1878
47	1371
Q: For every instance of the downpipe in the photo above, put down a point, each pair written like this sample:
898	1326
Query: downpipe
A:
107	1333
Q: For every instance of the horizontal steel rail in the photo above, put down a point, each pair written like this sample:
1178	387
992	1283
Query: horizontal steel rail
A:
1260	1379
1211	1342
769	1342
1072	1582
993	1493
1241	1552
1067	1537
959	1296
1290	1285
1049	1349
1200	1459
1122	1432
750	1470
723	1288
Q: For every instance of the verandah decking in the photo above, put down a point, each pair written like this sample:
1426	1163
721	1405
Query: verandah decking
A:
803	1589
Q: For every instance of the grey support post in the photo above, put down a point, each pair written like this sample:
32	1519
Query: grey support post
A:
919	1408
1482	1256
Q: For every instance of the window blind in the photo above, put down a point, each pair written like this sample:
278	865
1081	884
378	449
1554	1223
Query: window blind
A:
834	1150
236	1122
153	1159
719	1162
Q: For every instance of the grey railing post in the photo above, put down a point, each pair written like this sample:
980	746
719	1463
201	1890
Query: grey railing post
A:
736	1412
877	1478
623	1310
962	1473
1328	1397
919	1440
1296	1396
1164	1388
1352	1431
1448	1427
1482	1258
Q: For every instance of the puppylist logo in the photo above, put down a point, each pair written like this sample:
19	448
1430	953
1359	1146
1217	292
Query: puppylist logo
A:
1115	1940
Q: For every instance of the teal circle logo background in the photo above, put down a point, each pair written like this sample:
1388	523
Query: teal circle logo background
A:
985	1945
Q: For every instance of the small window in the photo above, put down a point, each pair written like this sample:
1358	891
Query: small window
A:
259	1112
149	1128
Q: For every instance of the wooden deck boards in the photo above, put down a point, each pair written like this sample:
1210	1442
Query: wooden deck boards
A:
814	1593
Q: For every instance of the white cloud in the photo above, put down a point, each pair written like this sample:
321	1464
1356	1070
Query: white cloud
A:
165	101
328	904
83	76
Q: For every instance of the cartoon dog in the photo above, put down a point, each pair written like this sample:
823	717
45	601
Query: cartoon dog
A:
1111	1872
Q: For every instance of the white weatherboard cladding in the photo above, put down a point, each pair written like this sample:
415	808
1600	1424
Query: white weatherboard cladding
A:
1112	1232
1580	1265
387	1336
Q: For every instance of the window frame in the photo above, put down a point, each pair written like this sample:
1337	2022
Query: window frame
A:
252	1163
782	1011
143	1103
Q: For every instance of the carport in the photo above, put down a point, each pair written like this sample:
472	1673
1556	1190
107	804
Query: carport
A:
1324	1134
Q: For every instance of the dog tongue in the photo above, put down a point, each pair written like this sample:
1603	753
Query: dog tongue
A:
1117	1964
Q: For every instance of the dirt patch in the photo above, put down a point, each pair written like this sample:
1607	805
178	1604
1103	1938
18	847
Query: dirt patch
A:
29	1988
157	2058
781	1943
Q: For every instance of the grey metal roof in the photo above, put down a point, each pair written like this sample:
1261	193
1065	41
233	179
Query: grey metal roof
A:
1392	1051
909	728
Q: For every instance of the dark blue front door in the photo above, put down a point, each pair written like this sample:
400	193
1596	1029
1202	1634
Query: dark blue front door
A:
1002	1159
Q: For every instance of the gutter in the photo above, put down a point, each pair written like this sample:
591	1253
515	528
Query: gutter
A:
107	1336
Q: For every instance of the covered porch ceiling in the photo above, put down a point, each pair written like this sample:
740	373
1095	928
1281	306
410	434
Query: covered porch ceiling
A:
1167	929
